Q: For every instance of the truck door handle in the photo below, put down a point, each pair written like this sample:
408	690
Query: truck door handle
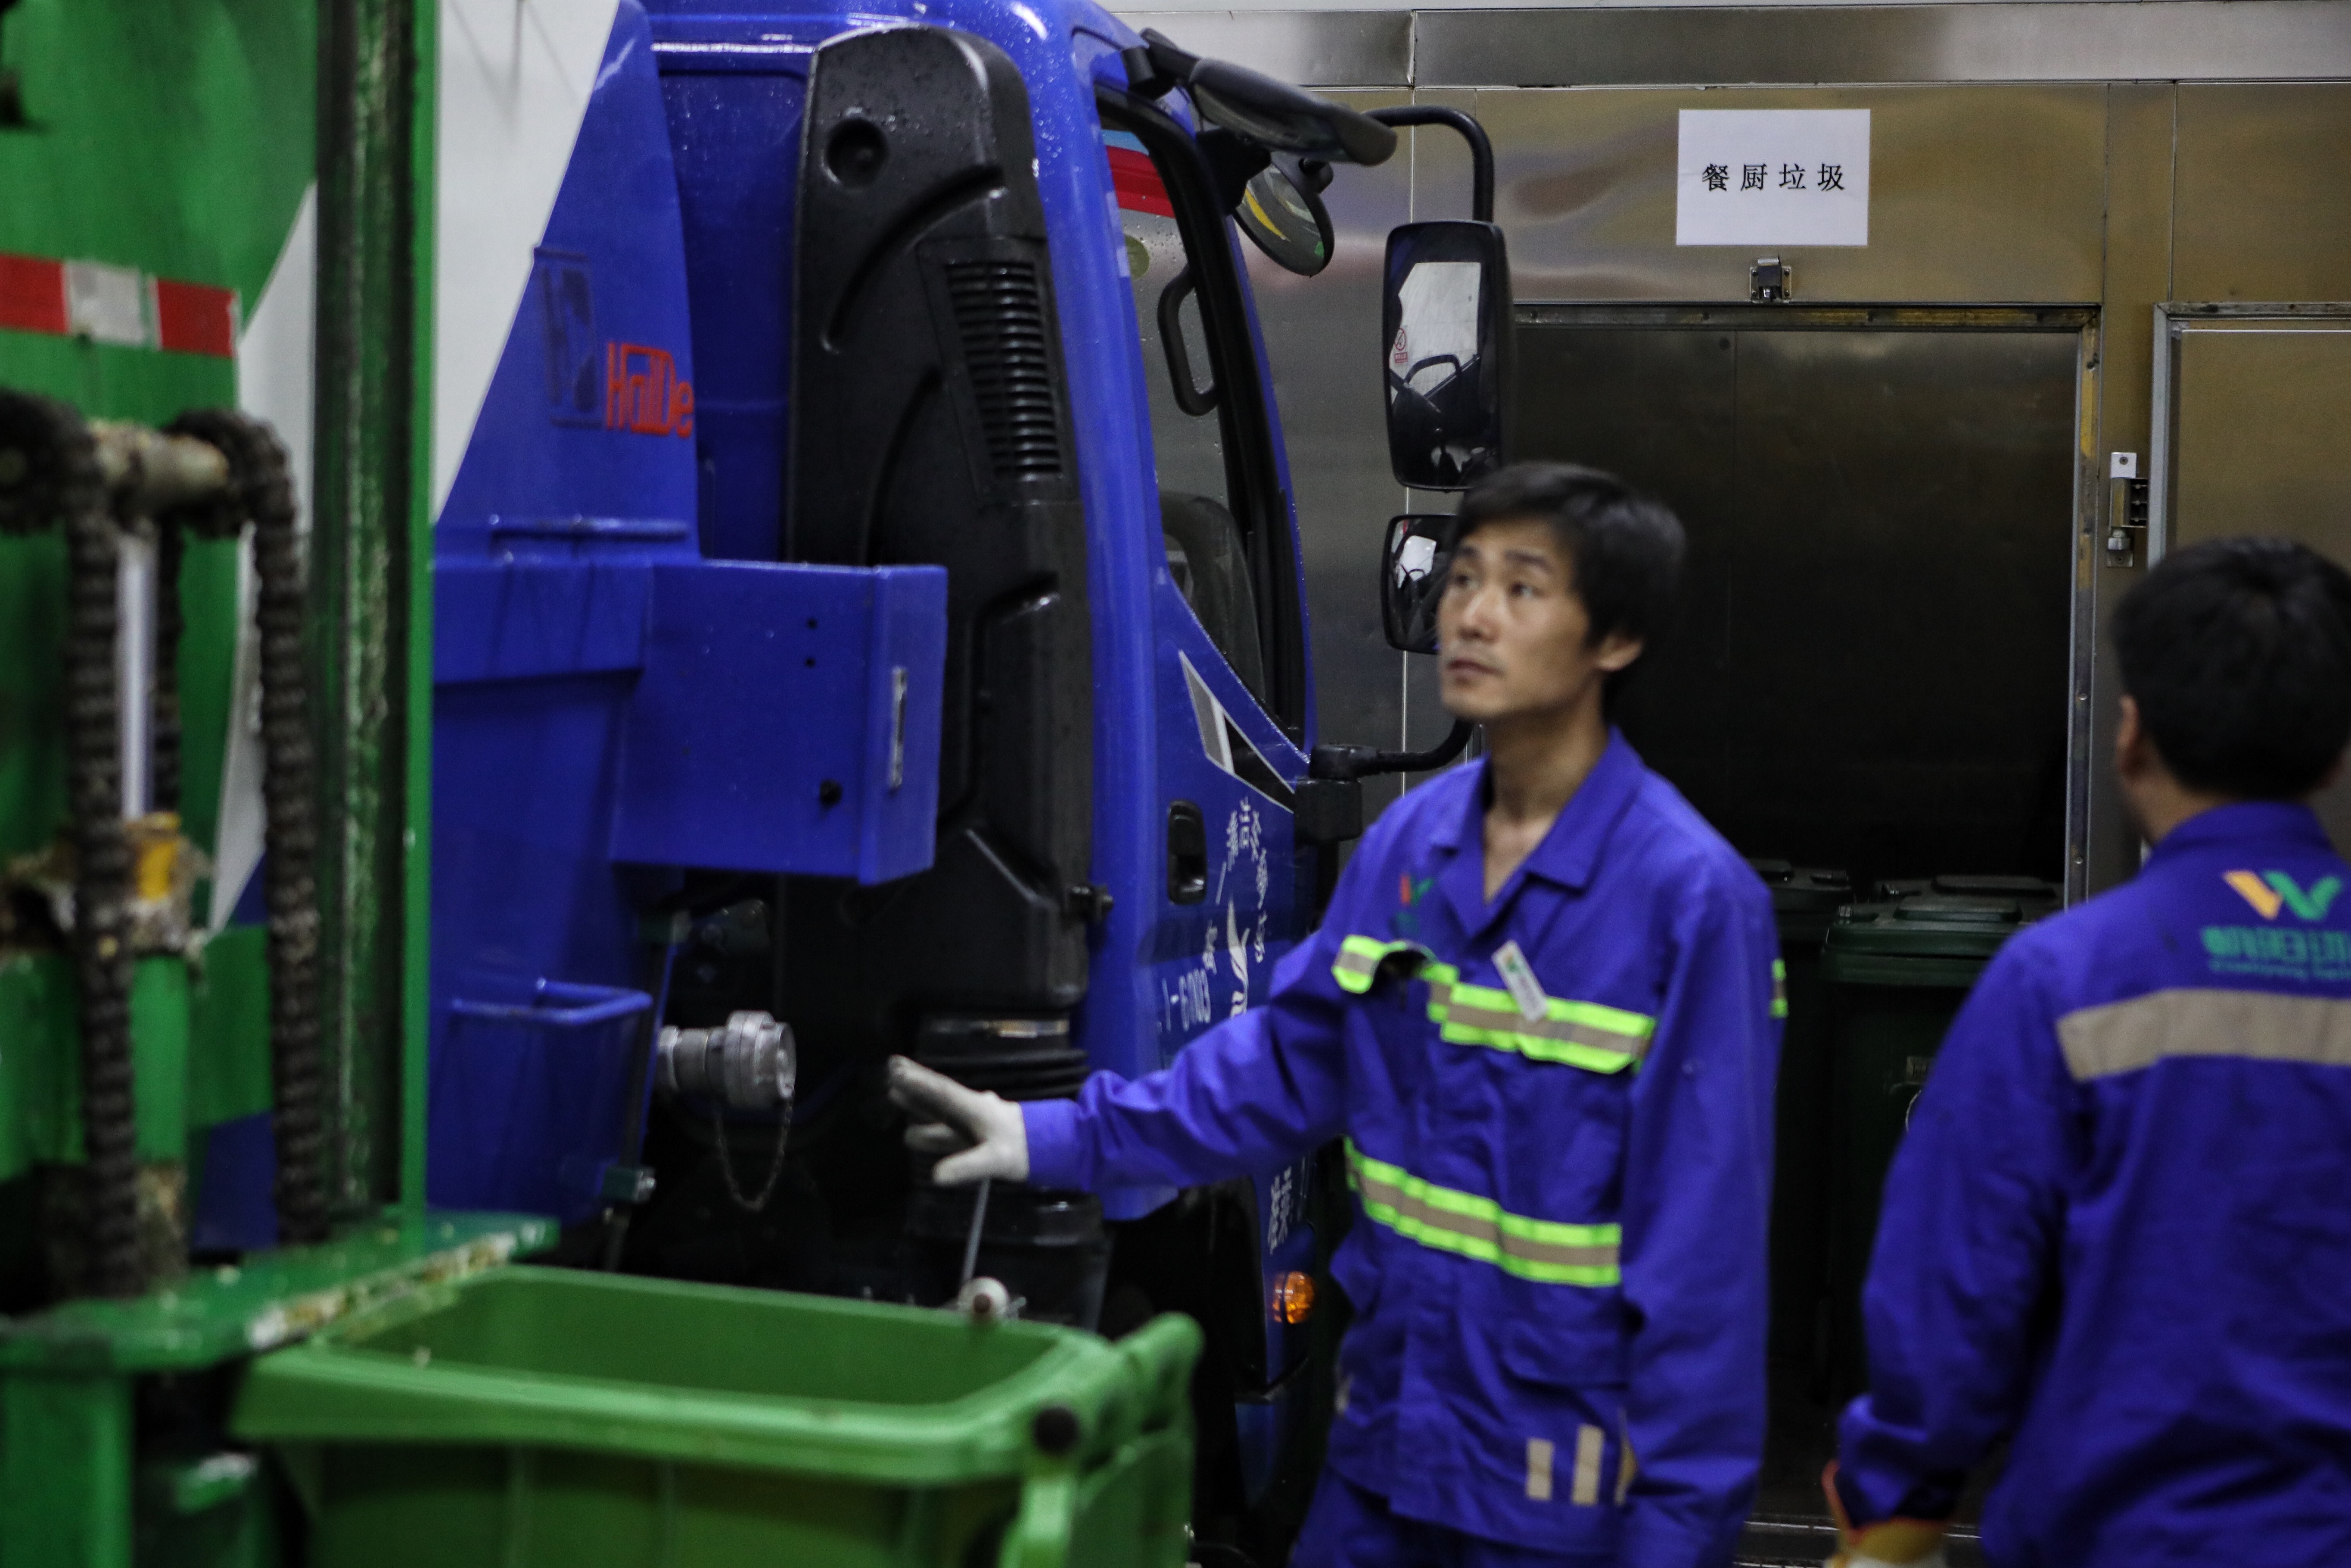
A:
1187	854
1188	395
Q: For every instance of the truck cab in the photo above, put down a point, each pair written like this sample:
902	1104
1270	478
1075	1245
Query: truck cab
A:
869	600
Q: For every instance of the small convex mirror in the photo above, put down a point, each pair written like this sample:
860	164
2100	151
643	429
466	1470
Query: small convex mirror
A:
1412	580
1447	325
1280	211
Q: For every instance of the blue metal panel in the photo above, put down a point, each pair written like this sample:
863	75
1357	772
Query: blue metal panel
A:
734	95
524	781
589	417
569	530
787	720
500	622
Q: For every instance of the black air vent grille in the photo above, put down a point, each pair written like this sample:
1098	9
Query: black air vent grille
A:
1000	312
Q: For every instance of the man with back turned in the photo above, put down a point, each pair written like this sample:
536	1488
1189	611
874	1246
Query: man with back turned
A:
2118	1233
1542	1010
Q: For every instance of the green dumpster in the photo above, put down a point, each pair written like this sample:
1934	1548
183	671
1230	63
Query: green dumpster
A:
1896	973
1805	900
550	1418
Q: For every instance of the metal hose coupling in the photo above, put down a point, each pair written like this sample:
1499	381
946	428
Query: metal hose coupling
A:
750	1064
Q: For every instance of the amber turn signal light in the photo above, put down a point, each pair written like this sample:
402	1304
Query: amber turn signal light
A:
1293	1298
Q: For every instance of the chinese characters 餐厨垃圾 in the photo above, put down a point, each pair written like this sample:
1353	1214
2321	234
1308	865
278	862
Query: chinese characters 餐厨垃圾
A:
1751	176
1831	177
1717	177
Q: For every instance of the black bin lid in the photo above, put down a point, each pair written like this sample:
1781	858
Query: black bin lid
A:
1803	888
1927	926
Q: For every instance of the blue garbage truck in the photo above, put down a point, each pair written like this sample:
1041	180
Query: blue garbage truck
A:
868	619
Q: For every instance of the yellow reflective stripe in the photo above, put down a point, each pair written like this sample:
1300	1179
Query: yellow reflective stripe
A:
1779	989
1478	1227
1358	962
1360	957
1582	1034
1589	1035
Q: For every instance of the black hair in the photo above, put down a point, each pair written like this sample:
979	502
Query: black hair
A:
1627	547
2237	653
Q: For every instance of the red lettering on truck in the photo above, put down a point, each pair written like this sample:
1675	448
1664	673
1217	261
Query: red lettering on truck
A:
643	394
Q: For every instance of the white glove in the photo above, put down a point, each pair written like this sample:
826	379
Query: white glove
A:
981	1134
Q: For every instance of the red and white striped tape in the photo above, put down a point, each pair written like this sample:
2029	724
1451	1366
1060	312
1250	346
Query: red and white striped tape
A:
116	305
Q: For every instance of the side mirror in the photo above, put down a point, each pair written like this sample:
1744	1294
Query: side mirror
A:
1446	322
1412	580
1280	211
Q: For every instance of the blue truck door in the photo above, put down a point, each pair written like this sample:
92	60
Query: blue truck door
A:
1230	676
1223	611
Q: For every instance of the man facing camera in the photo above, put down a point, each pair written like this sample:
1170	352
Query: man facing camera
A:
2118	1233
1543	1013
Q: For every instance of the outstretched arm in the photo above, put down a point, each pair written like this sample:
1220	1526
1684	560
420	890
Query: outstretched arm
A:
1252	1093
1257	1091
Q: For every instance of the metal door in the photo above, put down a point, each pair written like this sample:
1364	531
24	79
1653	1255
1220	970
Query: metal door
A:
1873	665
2250	404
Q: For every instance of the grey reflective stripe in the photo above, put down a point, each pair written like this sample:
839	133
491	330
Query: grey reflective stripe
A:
2259	1025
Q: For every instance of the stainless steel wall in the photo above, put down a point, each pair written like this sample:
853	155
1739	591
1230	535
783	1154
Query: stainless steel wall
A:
2113	155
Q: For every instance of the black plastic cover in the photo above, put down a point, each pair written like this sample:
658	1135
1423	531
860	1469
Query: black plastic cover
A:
931	424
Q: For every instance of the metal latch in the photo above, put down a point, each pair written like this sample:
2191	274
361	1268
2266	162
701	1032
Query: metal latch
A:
2126	506
1770	281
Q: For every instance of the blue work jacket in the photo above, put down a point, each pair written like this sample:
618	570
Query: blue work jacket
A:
1558	1266
2118	1232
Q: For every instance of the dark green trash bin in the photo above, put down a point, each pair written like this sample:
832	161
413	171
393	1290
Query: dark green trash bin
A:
1805	899
1896	973
550	1418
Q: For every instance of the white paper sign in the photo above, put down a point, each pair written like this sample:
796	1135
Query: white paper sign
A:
1773	177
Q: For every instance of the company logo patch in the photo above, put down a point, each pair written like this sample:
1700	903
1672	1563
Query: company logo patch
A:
2269	892
1411	890
643	394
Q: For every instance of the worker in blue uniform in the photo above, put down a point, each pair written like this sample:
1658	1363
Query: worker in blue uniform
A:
2117	1236
1542	1010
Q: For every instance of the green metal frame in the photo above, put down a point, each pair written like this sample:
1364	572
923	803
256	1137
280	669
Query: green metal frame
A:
370	545
75	1490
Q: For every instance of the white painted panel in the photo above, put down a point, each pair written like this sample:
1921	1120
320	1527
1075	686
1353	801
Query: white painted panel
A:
275	375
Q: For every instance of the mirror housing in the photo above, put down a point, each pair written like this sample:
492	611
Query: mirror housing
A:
1412	579
1447	328
1273	114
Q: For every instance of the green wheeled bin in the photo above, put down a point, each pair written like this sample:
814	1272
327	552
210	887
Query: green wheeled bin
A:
1804	899
552	1418
1896	973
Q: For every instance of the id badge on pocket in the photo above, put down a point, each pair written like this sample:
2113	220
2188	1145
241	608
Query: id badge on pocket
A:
1519	979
